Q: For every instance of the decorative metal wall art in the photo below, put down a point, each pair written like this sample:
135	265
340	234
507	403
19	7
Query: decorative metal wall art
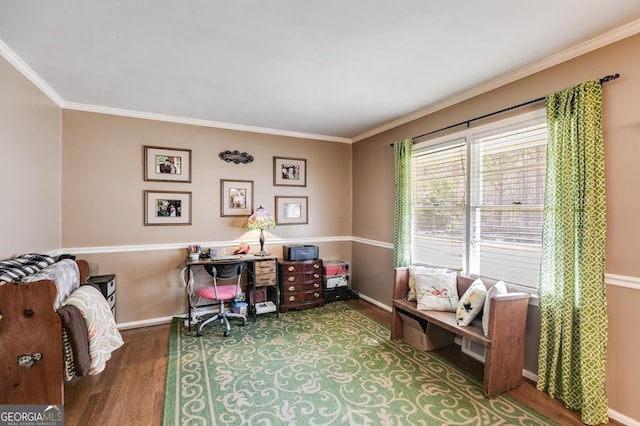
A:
236	157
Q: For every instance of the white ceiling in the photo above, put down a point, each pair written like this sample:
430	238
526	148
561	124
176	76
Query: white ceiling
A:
334	69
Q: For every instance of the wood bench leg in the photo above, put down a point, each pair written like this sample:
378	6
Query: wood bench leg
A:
396	324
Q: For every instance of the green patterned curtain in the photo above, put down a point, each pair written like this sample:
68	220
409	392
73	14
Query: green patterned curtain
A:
402	202
571	289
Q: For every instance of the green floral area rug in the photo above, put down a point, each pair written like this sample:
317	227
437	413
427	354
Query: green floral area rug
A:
323	366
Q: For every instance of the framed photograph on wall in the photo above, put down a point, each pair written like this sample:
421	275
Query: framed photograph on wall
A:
289	171
167	164
292	210
167	208
236	197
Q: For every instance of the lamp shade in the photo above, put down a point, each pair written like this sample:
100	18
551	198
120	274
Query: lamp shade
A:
261	219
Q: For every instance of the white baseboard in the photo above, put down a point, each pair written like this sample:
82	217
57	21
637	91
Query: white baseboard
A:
160	320
374	302
144	323
530	375
621	418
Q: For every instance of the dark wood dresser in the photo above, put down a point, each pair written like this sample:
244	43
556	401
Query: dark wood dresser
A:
301	284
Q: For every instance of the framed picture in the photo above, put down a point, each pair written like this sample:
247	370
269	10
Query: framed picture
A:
167	164
291	210
289	171
167	208
236	197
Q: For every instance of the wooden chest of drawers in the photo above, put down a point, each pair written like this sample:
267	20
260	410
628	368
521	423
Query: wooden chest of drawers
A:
301	284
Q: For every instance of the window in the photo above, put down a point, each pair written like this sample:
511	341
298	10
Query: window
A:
477	199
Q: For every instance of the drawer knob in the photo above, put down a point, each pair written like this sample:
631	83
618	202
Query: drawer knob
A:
292	288
292	298
316	266
316	276
291	268
316	294
291	278
316	285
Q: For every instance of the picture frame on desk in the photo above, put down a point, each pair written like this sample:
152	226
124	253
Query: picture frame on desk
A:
236	197
167	208
167	164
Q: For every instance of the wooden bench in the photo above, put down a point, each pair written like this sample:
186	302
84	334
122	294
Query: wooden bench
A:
504	344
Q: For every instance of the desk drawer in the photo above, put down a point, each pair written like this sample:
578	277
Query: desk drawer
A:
266	279
265	267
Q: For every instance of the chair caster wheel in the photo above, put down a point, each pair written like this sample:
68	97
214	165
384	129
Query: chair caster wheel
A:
226	334
199	333
245	323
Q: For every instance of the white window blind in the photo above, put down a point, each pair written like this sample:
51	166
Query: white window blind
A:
507	191
477	200
438	204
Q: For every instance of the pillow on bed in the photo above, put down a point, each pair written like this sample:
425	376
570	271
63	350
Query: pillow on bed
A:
64	273
471	302
413	270
498	288
437	291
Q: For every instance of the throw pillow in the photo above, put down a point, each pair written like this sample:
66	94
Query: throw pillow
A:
437	291
471	302
411	294
498	288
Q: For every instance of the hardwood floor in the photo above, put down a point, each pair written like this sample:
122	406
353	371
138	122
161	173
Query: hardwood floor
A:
131	389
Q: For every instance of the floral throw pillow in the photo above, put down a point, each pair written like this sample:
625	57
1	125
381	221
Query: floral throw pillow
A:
436	291
471	302
413	270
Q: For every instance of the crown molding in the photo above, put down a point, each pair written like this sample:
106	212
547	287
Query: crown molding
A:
605	39
602	40
34	78
199	122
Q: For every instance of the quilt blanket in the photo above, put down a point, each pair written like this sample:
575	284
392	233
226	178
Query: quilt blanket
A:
104	337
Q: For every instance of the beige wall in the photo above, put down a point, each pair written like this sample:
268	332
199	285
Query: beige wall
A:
30	173
103	181
102	202
373	170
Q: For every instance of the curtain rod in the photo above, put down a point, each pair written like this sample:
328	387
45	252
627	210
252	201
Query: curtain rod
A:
602	80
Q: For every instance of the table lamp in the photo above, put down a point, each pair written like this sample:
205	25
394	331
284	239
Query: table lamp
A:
261	219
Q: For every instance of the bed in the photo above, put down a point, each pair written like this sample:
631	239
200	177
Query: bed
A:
53	327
